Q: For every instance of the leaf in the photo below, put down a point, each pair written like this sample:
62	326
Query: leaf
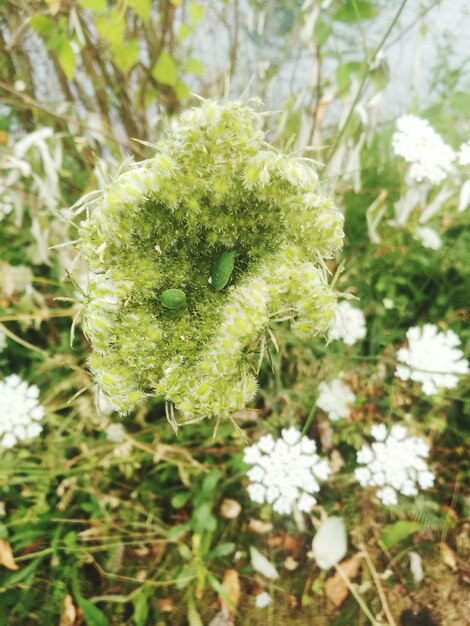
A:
68	615
330	542
180	499
6	556
231	592
184	31
92	614
262	565
194	618
196	12
321	32
126	56
165	70
66	58
98	6
416	567
194	66
142	8
448	556
230	509
141	609
355	11
111	27
223	549
43	25
335	589
394	533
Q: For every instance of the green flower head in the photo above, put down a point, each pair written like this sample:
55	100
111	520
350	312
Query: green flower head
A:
194	253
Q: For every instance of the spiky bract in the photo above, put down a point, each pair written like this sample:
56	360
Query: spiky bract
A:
214	185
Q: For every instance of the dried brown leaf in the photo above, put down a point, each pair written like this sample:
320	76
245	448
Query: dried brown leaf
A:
166	605
69	612
230	509
335	588
231	591
448	556
258	526
6	556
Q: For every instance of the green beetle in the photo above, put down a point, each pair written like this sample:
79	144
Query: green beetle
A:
223	269
172	298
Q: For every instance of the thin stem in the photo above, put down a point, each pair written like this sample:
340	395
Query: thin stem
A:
375	576
357	597
364	80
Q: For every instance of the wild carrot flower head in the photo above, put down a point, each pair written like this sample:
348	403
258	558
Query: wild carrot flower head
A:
193	253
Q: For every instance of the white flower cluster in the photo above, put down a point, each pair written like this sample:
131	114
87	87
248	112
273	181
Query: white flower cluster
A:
432	358
419	144
6	204
429	237
349	324
285	471
20	411
464	153
395	463
335	399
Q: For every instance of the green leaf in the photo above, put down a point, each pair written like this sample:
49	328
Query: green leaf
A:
394	533
184	31
185	552
179	499
66	58
194	619
111	27
92	614
42	25
98	6
182	91
355	11
196	12
142	8
165	70
126	56
141	609
203	519
194	66
321	32
24	575
223	549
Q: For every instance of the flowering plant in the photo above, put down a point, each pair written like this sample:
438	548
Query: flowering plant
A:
194	253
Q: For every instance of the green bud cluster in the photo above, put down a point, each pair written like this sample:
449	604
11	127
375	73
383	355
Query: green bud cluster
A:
216	204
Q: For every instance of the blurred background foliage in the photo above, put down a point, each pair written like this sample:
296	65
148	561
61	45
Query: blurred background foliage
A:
127	528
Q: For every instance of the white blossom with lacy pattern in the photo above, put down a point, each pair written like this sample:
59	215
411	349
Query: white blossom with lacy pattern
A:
418	143
20	411
286	471
394	462
349	324
432	358
335	399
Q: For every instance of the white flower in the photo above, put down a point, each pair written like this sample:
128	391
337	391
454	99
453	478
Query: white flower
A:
115	432
285	472
335	399
464	153
432	358
419	144
429	237
263	600
396	464
20	411
349	324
